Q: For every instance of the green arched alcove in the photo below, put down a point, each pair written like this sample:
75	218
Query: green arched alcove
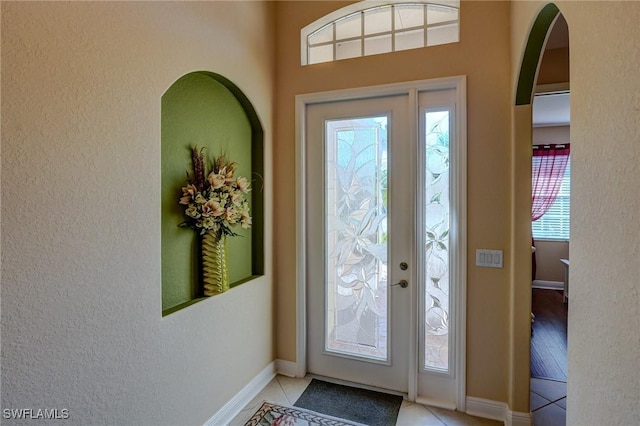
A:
207	110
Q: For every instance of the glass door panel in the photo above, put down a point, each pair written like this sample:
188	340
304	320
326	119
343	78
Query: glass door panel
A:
436	234
359	212
356	235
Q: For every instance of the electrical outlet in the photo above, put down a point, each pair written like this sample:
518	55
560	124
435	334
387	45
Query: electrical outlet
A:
489	258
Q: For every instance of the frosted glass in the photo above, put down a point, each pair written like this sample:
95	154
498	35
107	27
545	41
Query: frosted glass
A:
377	20
348	49
437	14
442	35
351	26
436	232
409	16
321	54
324	35
409	40
356	235
375	45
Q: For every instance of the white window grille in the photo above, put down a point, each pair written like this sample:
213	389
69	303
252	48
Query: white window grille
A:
375	27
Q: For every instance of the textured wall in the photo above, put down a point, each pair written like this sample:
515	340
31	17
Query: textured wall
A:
81	297
483	55
604	307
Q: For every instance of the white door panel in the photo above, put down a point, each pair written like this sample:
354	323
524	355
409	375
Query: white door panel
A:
357	235
384	203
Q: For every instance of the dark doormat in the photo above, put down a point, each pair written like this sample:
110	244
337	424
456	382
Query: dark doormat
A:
360	405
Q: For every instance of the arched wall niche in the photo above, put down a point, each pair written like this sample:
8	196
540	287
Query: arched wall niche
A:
207	110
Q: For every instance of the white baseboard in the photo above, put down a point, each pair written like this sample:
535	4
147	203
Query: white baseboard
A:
286	368
496	410
485	408
515	418
547	285
232	408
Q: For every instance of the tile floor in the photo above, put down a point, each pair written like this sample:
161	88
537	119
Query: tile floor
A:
286	390
548	402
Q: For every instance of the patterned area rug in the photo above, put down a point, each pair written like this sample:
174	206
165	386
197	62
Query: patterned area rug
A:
270	414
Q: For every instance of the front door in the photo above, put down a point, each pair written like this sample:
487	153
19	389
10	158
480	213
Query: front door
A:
378	242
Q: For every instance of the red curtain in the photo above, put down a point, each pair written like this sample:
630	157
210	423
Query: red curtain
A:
548	167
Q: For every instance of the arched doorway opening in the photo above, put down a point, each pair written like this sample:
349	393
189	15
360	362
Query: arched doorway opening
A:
551	169
544	68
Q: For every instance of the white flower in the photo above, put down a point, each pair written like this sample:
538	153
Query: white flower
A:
237	198
192	211
222	202
208	223
217	180
213	208
199	199
243	184
231	215
187	194
245	222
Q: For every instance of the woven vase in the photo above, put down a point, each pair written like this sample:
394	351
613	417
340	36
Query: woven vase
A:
215	272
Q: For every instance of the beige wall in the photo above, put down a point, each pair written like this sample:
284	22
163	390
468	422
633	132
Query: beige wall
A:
604	309
482	55
548	255
82	324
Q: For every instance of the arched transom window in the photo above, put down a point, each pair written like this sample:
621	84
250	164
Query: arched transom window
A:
374	27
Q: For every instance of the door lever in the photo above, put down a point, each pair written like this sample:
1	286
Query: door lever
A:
402	283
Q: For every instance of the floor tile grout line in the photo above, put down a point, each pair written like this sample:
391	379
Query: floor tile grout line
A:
435	415
549	379
547	398
546	405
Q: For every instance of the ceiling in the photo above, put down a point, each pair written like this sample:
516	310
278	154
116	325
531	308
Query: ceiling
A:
552	109
559	36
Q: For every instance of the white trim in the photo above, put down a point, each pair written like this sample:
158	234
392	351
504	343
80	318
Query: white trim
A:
486	408
547	285
233	407
301	101
459	182
516	418
412	384
496	410
301	239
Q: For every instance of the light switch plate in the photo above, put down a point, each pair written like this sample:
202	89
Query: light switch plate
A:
489	258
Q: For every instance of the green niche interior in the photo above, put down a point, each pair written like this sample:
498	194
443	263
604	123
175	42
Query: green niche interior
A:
206	109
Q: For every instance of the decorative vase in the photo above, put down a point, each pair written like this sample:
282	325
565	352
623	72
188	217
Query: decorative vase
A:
215	273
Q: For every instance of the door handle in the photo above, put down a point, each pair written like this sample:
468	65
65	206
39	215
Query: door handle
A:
402	283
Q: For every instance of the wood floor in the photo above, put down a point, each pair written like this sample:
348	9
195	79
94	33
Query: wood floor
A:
549	338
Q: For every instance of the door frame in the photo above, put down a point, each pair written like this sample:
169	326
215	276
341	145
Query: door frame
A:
459	203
